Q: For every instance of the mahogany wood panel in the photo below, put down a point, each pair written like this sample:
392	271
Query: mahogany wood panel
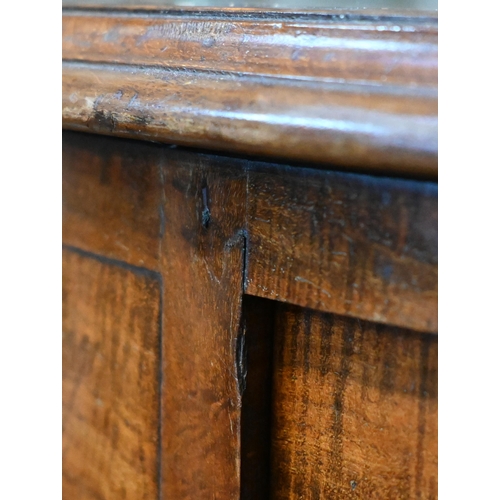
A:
111	197
354	409
203	259
349	244
358	91
111	392
343	243
217	228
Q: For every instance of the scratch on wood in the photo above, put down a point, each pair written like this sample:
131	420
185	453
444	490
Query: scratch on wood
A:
303	280
241	361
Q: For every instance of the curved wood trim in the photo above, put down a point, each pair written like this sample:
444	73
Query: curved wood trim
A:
349	89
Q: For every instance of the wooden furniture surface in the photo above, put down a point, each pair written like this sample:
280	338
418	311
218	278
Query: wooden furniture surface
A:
255	318
345	88
111	365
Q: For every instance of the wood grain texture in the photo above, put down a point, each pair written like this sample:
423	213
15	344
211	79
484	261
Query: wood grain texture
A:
358	91
328	47
343	243
354	409
111	198
202	261
218	228
111	396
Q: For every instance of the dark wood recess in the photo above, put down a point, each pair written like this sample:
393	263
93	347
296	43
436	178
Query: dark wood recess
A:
256	354
110	384
355	90
354	409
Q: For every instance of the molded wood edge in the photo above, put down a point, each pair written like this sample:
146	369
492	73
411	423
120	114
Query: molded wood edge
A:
345	49
351	92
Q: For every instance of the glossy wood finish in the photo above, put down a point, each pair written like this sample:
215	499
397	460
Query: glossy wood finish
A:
356	90
349	47
203	257
215	230
342	243
354	409
111	391
235	328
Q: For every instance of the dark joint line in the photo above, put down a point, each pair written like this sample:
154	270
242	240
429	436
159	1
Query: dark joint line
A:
141	271
335	84
245	15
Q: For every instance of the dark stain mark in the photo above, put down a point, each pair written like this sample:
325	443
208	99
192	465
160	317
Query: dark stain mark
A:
205	213
102	121
163	219
246	256
241	360
137	270
142	120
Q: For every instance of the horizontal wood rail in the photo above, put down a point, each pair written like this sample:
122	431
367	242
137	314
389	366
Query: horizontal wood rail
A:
337	242
349	89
